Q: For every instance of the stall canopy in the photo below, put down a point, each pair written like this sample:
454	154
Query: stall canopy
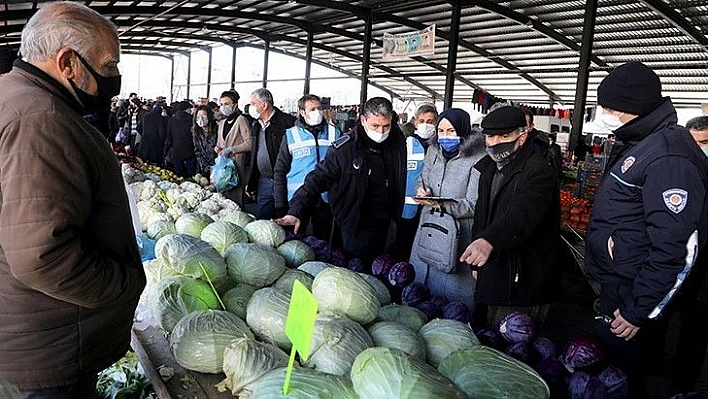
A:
522	50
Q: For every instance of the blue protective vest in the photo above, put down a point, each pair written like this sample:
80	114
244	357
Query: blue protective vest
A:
306	152
415	154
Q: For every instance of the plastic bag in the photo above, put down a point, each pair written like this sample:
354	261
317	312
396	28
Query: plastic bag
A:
147	247
224	174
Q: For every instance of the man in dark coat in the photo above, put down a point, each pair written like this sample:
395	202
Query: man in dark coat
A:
648	220
179	145
365	174
154	135
516	223
266	135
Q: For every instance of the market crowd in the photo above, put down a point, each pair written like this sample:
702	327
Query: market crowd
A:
475	210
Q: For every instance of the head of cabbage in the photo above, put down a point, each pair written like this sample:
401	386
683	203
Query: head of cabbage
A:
239	218
286	281
296	252
304	383
221	235
192	257
160	228
266	314
172	298
236	299
254	264
336	341
199	340
341	291
245	361
444	336
265	232
391	334
192	224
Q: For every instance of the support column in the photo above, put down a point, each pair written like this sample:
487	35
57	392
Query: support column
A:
172	78
266	51
452	54
233	67
189	74
308	61
366	60
581	87
208	88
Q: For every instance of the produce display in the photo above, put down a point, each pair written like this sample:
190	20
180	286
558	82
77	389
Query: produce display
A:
575	211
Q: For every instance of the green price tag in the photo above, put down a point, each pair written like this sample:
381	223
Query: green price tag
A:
299	325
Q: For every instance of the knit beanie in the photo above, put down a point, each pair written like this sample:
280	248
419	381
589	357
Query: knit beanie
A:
459	119
632	87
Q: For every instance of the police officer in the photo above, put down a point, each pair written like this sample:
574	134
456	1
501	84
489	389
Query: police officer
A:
645	230
364	174
426	118
303	147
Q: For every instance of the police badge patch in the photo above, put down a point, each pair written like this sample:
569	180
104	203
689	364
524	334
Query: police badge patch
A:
675	199
628	163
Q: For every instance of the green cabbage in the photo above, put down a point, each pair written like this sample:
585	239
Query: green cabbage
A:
9	391
221	235
266	314
296	252
265	232
390	373
245	361
172	298
236	299
444	336
391	334
484	372
160	228
342	291
239	218
335	343
155	271
304	384
286	281
254	264
406	315
381	291
187	255
314	267
199	340
192	224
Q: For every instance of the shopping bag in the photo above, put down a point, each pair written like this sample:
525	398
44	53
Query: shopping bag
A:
437	240
224	174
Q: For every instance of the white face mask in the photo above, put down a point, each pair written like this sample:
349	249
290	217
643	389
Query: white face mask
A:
202	122
226	110
314	117
611	122
376	136
425	130
705	150
253	112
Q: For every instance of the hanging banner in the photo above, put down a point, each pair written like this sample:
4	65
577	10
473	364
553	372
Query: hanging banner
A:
409	44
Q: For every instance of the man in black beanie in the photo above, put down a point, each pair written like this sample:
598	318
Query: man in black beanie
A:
646	227
516	226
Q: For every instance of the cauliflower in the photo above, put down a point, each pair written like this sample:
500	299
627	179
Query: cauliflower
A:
209	206
173	194
149	190
146	212
177	210
190	187
137	189
160	216
130	174
158	204
167	185
189	200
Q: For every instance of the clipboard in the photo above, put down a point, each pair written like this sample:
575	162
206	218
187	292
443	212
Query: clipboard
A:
439	199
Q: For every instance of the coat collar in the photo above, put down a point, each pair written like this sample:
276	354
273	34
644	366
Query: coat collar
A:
48	83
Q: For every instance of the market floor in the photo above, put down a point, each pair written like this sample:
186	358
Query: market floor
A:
573	314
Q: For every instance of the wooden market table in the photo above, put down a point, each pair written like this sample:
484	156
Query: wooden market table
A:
153	351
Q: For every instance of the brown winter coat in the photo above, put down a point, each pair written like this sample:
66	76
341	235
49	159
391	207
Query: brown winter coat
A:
70	270
239	139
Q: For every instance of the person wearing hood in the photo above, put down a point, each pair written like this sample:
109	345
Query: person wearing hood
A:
426	117
154	135
648	220
303	147
364	173
448	171
233	139
516	224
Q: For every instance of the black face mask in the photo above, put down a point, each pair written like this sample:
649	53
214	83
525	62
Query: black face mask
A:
108	86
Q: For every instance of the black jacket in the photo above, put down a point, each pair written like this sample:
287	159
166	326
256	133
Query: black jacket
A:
650	210
344	172
523	225
179	136
279	123
154	135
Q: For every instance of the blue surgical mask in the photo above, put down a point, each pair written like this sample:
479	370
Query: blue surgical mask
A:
449	143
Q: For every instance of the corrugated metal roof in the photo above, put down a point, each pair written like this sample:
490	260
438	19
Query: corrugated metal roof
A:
521	50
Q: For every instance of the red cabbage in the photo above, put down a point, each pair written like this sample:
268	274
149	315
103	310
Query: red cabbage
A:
310	240
520	351
439	300
356	265
554	373
414	293
517	327
491	337
456	311
338	257
582	385
319	245
582	351
381	266
544	347
431	310
615	382
401	274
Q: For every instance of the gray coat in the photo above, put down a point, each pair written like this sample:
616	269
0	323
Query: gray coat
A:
456	178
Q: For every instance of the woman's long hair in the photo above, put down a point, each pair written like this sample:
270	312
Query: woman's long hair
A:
196	129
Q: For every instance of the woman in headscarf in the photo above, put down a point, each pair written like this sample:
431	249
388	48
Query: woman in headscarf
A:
449	172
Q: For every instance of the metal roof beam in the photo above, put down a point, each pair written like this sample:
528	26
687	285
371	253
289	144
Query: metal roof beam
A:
677	20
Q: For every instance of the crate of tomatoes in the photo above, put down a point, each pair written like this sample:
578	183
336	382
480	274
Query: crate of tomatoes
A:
575	212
